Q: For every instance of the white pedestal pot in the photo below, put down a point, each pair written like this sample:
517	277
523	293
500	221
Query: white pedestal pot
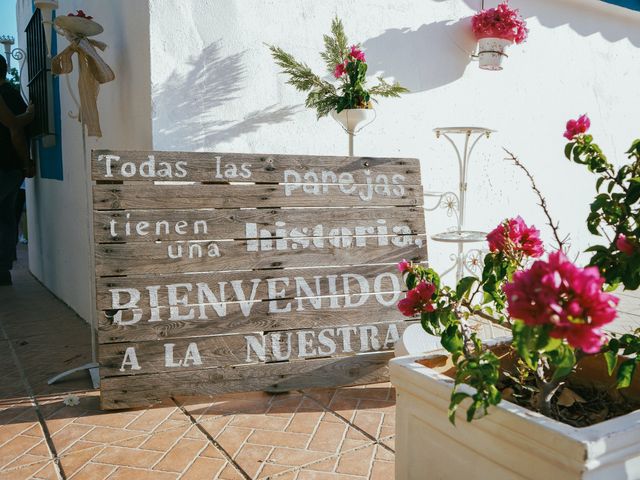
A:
353	120
509	443
491	52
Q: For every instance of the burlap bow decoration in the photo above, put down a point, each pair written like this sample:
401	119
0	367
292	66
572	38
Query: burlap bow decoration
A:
93	72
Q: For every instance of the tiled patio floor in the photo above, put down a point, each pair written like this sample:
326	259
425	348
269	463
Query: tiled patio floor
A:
313	434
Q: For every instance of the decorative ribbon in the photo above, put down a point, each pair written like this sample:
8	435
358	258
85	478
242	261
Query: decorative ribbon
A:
93	72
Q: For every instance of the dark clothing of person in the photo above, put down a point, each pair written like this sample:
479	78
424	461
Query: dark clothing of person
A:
9	158
10	181
11	176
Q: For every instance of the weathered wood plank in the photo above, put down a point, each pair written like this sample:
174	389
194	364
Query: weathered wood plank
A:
162	196
239	167
258	316
208	224
338	280
193	354
124	259
147	390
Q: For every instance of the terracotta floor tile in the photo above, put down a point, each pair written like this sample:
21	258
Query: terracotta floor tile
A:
327	437
373	393
345	407
230	473
295	457
17	446
263	422
281	439
357	462
181	455
93	471
151	418
384	454
382	470
251	457
313	475
369	422
232	438
128	457
214	425
204	469
111	419
117	437
124	473
163	440
68	435
304	422
83	452
211	452
271	469
32	471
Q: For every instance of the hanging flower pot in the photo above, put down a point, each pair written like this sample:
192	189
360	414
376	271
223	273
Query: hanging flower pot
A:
78	24
495	29
491	52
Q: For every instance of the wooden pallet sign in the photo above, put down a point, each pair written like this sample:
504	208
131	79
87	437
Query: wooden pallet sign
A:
219	272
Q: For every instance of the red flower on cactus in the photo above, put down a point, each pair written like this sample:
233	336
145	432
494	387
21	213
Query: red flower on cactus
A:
80	14
577	127
418	300
556	292
356	53
500	22
514	236
624	245
340	70
404	266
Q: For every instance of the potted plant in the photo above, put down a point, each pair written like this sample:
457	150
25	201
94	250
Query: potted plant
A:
348	98
496	29
557	399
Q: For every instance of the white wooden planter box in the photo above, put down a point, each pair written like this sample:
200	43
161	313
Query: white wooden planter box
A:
509	443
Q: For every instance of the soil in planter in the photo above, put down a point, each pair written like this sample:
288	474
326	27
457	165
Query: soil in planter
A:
578	405
589	396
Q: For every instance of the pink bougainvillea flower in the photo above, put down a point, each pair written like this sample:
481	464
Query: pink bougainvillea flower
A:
556	292
340	70
356	53
500	22
624	245
404	266
514	236
577	127
418	300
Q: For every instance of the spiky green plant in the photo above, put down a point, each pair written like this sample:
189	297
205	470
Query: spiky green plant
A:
351	91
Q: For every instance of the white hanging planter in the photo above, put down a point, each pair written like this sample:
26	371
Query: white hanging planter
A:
509	443
353	120
491	52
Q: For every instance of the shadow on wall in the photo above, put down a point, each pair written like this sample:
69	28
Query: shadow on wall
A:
434	55
185	104
583	19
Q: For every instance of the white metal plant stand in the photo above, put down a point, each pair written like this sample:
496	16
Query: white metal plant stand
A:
469	260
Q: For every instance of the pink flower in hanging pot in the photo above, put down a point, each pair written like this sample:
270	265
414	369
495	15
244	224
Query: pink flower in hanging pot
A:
80	14
500	22
577	127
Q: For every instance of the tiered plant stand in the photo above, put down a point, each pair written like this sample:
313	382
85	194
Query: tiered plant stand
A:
465	259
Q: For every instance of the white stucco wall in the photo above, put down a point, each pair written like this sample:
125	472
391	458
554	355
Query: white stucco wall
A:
58	211
195	75
215	87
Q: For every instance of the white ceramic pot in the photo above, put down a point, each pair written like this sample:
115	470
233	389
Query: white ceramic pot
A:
491	52
510	443
352	118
